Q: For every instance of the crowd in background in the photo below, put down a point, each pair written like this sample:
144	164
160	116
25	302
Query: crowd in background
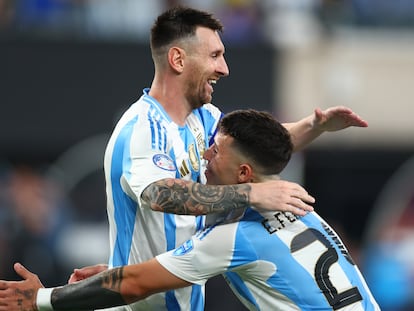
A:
245	21
33	213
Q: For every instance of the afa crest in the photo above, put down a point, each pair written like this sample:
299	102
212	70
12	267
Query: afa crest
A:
163	161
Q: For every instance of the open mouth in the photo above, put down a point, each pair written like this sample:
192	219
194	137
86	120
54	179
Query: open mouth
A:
212	83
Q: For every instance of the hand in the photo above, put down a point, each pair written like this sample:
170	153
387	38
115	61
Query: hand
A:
86	272
336	118
281	195
20	295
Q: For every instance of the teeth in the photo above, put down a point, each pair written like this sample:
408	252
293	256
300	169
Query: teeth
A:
212	81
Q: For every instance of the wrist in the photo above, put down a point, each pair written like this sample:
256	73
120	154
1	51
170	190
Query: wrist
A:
43	299
252	199
315	126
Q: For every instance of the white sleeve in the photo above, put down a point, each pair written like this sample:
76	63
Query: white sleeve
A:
146	170
144	165
205	255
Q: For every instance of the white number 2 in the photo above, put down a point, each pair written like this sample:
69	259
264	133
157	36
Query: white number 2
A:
325	257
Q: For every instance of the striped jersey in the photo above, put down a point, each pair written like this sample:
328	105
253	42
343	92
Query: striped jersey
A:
275	261
147	146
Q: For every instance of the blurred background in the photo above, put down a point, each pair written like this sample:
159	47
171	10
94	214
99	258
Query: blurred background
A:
69	68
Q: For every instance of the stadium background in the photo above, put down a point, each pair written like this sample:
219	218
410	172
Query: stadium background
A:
66	76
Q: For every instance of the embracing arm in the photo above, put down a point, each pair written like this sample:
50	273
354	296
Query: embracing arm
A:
332	119
177	196
114	287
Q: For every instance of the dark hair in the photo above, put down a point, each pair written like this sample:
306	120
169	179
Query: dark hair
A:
260	137
178	23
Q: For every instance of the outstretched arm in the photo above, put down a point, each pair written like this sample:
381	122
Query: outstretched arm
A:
113	287
177	196
332	119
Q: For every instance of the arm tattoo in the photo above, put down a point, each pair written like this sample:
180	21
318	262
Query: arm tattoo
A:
188	198
97	292
112	279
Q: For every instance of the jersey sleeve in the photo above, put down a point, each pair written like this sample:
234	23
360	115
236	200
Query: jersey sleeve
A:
144	160
206	254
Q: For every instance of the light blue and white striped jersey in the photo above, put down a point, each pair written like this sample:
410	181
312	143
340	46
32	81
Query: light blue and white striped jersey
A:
275	261
147	146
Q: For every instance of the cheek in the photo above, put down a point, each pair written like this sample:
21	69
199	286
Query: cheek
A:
227	174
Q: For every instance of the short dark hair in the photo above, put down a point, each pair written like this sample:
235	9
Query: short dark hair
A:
260	137
178	23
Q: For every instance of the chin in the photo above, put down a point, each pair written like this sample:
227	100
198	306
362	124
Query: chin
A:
198	105
209	180
207	99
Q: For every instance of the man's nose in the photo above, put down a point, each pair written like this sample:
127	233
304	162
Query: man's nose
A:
223	69
206	155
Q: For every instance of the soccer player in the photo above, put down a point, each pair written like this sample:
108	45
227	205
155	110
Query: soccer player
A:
272	260
157	146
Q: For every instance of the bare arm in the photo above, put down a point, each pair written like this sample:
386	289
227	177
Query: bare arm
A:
114	287
332	119
118	286
189	198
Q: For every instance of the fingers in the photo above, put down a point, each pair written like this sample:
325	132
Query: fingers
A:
3	286
19	295
303	196
352	117
86	272
358	121
22	271
298	200
296	211
338	109
73	278
81	274
299	207
282	196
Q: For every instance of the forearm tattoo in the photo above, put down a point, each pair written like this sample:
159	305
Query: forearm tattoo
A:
97	292
188	198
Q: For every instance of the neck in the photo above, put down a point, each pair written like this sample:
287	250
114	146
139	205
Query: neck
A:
172	100
263	178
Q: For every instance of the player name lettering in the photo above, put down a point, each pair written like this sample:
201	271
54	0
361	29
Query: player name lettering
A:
338	243
279	221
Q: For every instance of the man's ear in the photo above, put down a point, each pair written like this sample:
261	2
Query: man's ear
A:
245	173
176	58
